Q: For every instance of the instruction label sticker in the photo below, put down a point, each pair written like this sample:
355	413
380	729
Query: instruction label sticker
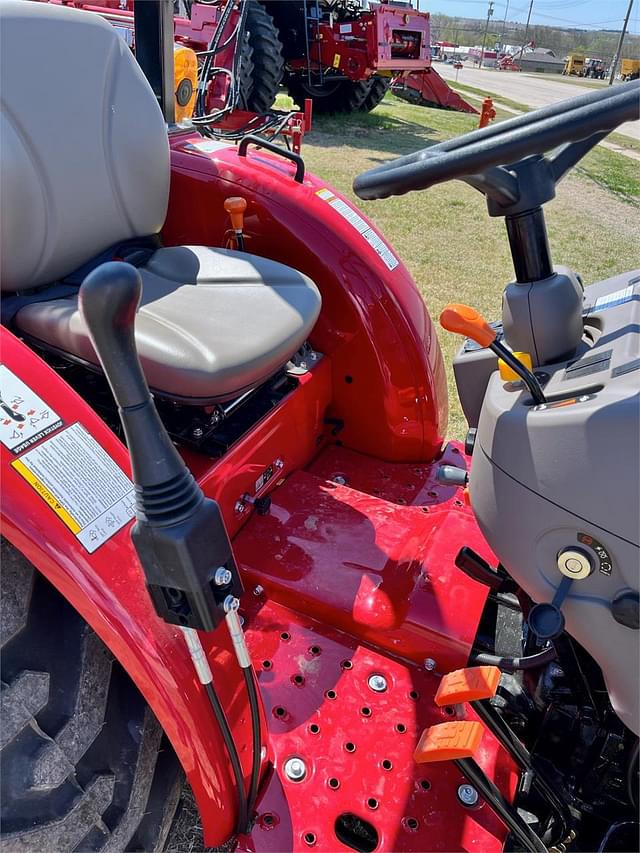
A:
363	228
81	483
24	417
611	300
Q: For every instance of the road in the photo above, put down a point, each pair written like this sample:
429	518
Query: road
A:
529	89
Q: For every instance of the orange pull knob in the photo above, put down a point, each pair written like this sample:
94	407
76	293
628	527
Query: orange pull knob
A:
463	320
235	207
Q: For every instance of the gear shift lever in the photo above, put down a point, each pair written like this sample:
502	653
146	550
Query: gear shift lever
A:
466	321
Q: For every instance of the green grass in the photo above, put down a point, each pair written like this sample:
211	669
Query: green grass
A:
444	235
614	171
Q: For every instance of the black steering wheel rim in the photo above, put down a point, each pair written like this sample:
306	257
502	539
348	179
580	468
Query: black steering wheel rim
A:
478	157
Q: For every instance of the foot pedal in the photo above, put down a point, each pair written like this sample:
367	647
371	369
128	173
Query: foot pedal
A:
459	741
468	685
449	742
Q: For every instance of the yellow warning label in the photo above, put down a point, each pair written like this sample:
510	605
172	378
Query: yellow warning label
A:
336	60
47	495
81	483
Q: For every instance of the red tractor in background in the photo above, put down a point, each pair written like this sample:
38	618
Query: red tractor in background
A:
348	633
338	53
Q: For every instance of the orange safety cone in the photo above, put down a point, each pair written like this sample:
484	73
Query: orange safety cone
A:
487	114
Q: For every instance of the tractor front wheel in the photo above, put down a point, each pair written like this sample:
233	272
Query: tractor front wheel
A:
84	764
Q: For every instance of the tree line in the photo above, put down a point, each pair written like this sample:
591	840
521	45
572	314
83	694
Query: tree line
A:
599	44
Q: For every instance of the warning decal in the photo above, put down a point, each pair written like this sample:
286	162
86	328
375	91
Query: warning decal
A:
24	417
81	483
362	227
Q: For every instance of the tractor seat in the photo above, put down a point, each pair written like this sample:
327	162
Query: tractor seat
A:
212	322
91	170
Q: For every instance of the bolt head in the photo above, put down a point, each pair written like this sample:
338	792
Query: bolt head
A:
222	576
240	507
340	480
258	590
429	664
467	795
230	603
377	683
197	432
295	769
279	463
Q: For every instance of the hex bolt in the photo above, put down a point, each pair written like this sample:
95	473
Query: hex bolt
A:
378	683
240	507
295	769
197	432
258	590
467	795
279	463
429	664
230	603
222	576
340	480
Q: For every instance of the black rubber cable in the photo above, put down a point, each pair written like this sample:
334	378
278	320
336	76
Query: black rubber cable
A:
252	692
233	755
515	664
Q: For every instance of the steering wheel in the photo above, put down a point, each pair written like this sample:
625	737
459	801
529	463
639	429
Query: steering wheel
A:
478	157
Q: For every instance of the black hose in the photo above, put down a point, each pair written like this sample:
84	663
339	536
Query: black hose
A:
252	693
233	755
516	664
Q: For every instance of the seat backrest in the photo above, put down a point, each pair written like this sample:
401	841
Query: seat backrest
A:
84	154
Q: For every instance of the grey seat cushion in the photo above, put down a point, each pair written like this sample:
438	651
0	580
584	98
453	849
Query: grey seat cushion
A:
212	322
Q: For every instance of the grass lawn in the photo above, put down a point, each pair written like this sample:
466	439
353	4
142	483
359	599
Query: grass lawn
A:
444	235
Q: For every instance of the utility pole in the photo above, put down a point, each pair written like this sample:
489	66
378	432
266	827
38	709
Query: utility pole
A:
504	26
526	29
486	29
618	53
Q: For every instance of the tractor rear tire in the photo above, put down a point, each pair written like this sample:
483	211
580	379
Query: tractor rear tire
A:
379	87
341	96
84	763
268	62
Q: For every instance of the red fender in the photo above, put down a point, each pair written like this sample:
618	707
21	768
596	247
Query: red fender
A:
389	382
107	589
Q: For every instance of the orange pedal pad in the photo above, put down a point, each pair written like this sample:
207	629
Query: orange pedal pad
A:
467	685
448	741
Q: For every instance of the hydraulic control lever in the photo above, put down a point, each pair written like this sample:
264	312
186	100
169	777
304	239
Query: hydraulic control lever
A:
179	534
463	320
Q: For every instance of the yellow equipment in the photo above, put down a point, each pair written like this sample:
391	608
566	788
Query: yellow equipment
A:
630	69
574	65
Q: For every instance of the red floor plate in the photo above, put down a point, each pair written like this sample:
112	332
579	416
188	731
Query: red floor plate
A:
357	746
353	576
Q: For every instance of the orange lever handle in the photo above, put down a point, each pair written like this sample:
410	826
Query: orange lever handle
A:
235	207
463	320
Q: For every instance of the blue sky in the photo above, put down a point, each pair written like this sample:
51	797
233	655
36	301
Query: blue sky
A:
588	14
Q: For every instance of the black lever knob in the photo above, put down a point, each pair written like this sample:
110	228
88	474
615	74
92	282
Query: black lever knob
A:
179	534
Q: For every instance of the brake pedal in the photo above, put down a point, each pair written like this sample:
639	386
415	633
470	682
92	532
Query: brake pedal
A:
458	741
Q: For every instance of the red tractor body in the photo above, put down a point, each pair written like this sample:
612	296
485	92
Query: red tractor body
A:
303	611
352	572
